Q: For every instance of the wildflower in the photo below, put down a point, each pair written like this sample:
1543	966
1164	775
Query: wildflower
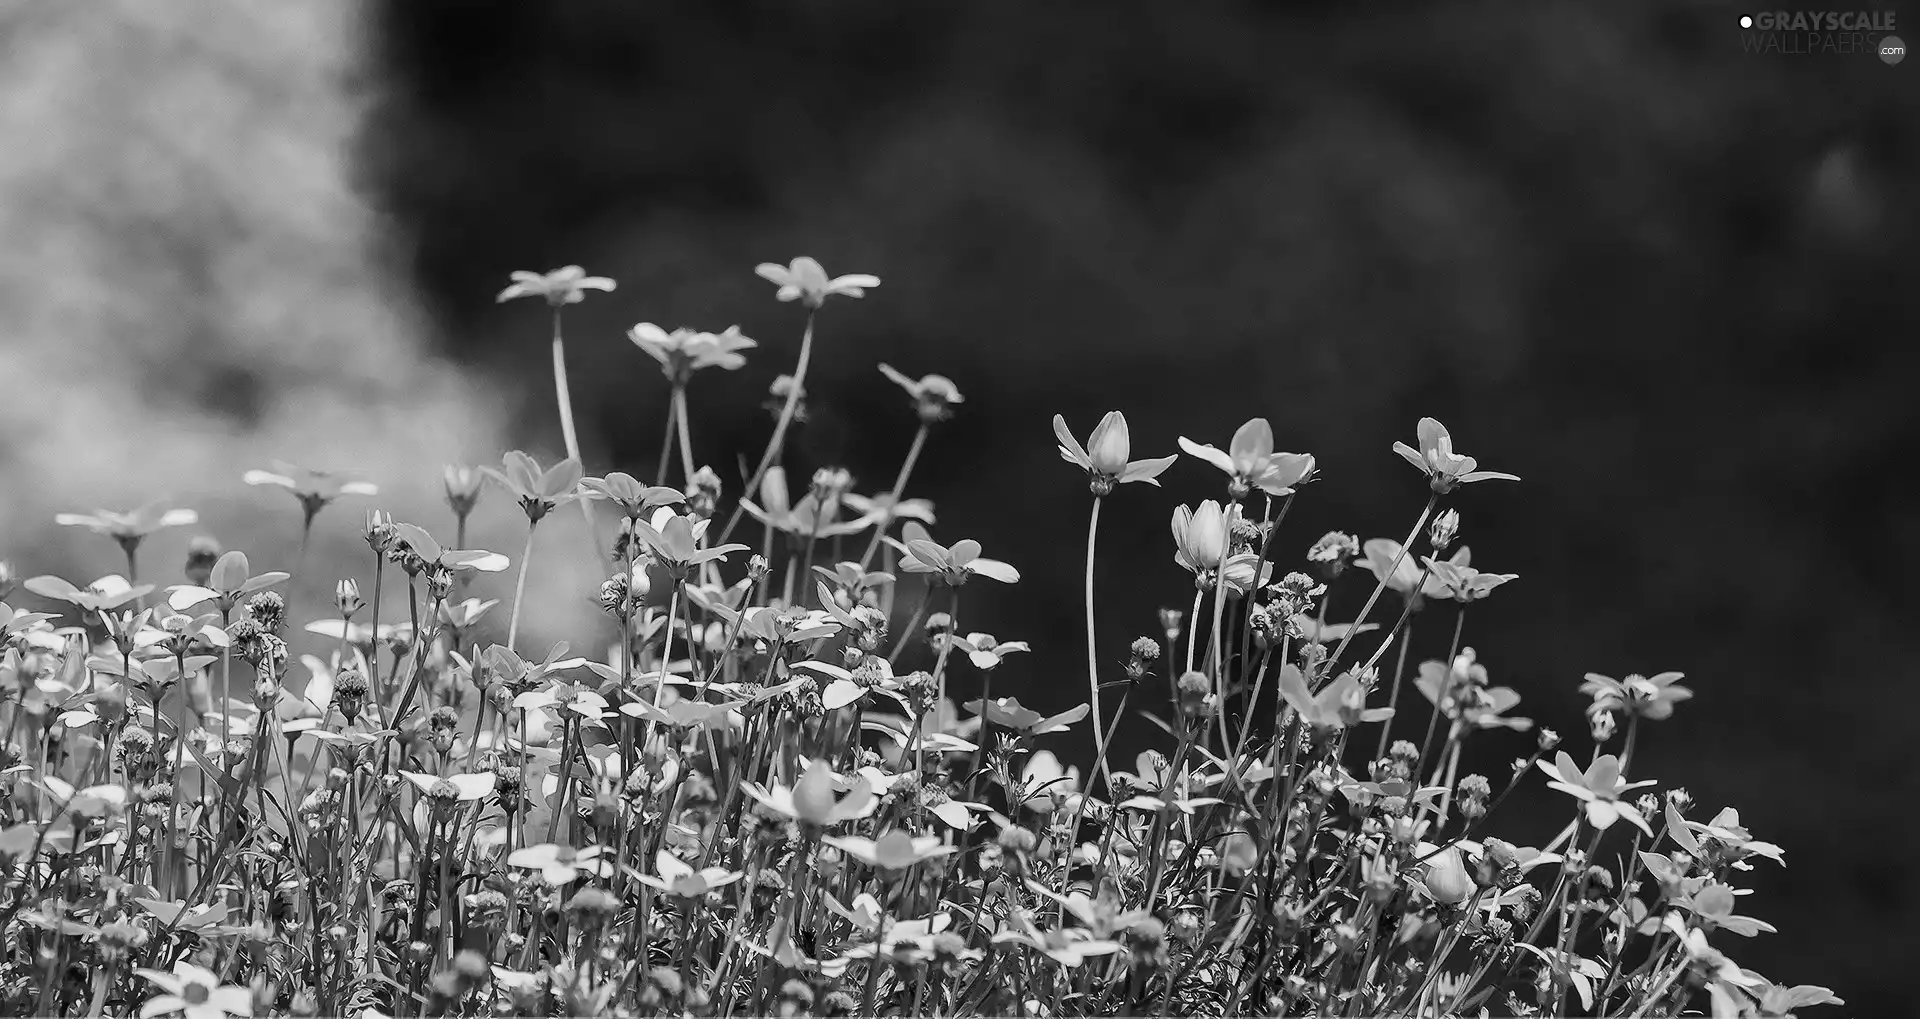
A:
1726	982
808	519
1394	566
103	595
677	877
1105	456
1445	528
634	499
812	801
466	788
462	485
1446	877
315	489
1200	547
1461	582
783	386
196	993
887	507
1069	948
805	281
934	396
1340	704
1250	461
539	492
1652	699
1733	838
1444	468
561	865
895	850
1009	713
131	527
231	578
953	565
1463	693
985	652
419	543
565	285
1600	787
685	351
675	541
1046	786
1332	552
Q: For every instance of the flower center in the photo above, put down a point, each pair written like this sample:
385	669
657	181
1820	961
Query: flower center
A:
195	994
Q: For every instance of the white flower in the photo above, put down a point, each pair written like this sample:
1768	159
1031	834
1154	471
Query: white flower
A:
196	993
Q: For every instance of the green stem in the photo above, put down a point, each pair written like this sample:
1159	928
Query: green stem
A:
1405	547
894	493
520	589
686	440
779	429
565	401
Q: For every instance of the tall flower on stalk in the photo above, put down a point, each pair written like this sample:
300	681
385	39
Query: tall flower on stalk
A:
1105	456
806	519
462	484
920	554
313	488
539	492
1463	583
196	993
565	285
129	528
561	287
1250	461
1651	698
636	501
805	281
1445	469
685	351
1201	543
934	396
1601	789
1393	566
677	539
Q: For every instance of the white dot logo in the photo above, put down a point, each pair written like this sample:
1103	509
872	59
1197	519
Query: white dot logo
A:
1745	21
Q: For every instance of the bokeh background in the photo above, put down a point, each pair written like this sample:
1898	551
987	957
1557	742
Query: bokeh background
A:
1657	277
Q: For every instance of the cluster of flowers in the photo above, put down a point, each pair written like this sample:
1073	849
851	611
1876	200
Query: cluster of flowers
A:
762	800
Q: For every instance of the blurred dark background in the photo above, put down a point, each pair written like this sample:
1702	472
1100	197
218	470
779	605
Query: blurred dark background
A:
1656	276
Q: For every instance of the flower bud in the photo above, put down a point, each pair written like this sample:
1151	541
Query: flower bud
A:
346	598
1603	726
202	553
1445	527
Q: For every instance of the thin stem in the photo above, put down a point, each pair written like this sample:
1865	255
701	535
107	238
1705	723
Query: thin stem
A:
686	440
893	494
1405	546
666	445
520	589
561	395
779	429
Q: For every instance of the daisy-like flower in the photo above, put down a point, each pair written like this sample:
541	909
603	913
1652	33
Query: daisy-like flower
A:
1461	582
1009	713
1650	698
805	519
934	396
675	539
636	500
463	486
1732	837
315	489
1713	907
1379	556
678	877
1250	461
1464	694
565	285
133	526
1070	948
562	865
805	281
1201	544
1102	916
1104	457
464	788
1601	787
685	351
231	580
423	545
920	554
812	801
1046	786
893	851
986	652
539	491
888	508
196	993
103	595
1728	986
1339	704
1444	468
